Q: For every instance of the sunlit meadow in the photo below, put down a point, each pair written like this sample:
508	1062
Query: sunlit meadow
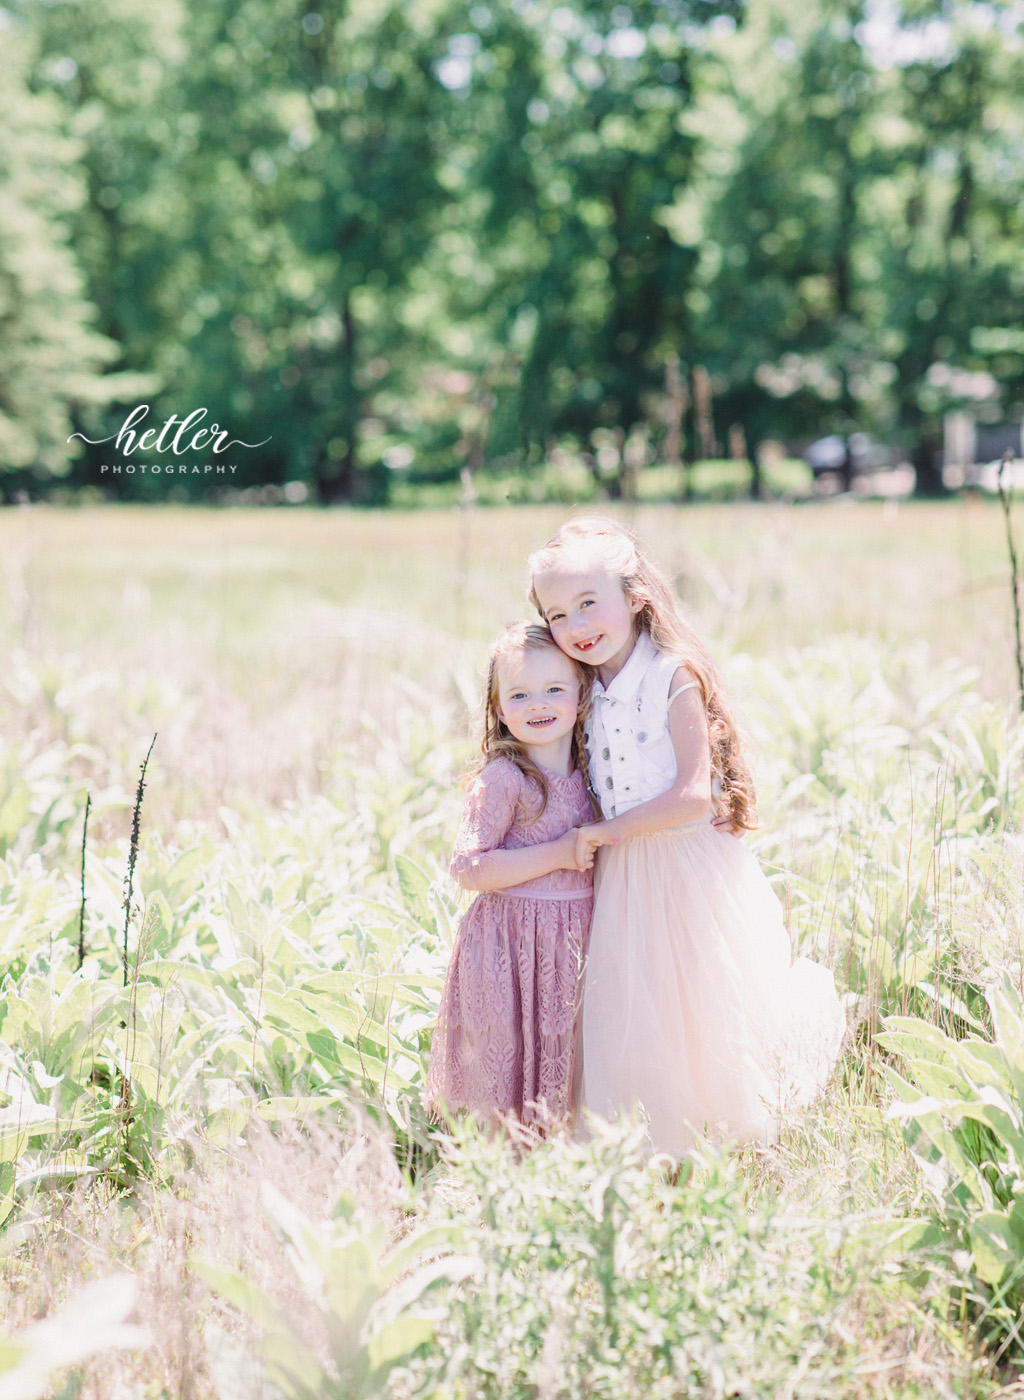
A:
216	1175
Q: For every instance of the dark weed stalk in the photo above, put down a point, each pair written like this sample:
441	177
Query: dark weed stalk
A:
124	1104
1005	499
81	914
133	854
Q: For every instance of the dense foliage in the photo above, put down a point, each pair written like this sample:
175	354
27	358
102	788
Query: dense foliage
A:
383	239
216	1174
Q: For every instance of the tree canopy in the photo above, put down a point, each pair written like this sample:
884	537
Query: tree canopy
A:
427	234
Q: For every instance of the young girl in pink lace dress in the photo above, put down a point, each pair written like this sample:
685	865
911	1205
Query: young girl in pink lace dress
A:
503	1046
692	1005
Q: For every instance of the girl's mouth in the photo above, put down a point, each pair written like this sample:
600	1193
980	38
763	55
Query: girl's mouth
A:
541	723
588	645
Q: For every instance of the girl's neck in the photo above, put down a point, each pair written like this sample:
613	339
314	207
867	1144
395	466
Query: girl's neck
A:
608	670
554	760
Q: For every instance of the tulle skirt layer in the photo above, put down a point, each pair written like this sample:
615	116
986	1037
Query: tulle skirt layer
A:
506	1030
692	1007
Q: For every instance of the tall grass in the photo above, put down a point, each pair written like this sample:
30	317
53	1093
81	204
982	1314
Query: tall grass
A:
313	678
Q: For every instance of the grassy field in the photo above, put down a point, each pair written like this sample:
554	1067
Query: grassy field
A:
283	628
210	1123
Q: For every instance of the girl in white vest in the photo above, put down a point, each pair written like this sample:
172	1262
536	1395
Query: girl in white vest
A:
692	1007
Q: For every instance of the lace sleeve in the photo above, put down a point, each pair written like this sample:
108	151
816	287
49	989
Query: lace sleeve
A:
490	809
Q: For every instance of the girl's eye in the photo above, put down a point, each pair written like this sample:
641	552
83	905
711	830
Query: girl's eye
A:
587	603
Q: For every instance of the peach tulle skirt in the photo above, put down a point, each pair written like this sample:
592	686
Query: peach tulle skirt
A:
692	1006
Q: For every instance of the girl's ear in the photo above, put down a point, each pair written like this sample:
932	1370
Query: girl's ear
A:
635	604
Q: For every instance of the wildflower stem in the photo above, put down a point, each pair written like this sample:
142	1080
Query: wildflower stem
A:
81	912
1005	502
133	854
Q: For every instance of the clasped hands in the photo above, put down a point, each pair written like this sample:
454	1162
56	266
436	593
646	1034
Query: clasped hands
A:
588	838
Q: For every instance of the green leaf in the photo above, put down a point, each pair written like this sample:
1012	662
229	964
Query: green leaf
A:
898	1236
169	971
398	1339
8	1181
280	1110
13	1145
290	1013
414	883
994	1247
240	1292
11	1354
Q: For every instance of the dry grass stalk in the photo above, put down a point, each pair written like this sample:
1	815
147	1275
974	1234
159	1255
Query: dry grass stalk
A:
1005	500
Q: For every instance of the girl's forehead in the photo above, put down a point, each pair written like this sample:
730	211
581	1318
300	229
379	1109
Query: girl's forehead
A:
543	663
563	585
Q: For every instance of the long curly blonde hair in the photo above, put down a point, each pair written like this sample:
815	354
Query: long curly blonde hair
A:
498	742
596	544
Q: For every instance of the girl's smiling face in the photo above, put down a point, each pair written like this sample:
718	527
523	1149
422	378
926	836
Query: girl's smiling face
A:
538	700
591	617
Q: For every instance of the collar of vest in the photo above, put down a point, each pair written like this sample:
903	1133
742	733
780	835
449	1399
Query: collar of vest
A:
624	686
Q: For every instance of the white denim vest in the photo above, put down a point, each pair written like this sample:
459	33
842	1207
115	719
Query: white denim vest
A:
628	743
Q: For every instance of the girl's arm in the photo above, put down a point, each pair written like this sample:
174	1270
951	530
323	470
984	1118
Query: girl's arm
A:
498	870
686	800
478	862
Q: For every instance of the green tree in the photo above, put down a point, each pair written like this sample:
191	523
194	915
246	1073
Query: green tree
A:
337	124
865	228
783	323
261	186
573	151
950	250
51	355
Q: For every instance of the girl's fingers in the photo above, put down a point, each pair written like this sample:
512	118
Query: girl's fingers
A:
584	849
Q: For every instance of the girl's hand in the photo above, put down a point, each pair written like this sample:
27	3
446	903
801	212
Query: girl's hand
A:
723	822
588	838
565	847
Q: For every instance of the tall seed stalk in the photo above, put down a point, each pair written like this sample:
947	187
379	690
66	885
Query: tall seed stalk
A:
133	853
124	1104
1005	500
81	912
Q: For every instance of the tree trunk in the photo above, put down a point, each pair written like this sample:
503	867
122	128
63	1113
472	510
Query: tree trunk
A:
335	476
674	412
846	470
928	468
702	407
756	475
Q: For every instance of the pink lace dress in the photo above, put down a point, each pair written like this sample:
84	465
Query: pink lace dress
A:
506	1028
